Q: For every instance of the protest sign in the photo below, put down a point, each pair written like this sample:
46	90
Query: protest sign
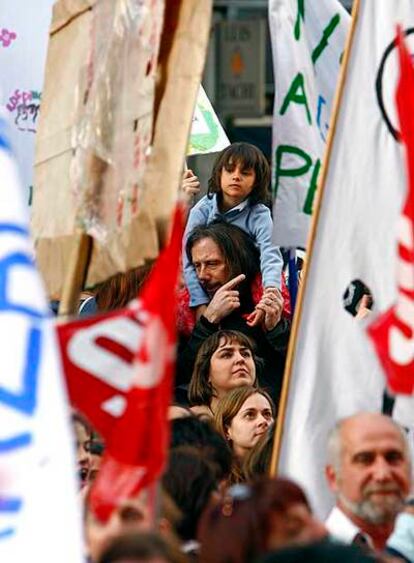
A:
94	170
308	40
24	28
334	371
207	134
39	514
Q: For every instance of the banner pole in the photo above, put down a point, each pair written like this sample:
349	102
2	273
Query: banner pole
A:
77	271
280	422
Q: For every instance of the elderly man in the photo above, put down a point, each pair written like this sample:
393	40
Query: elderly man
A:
227	264
370	473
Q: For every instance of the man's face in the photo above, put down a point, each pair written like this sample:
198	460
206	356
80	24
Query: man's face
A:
132	515
374	474
211	268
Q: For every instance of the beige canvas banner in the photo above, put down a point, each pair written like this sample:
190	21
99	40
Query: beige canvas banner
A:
102	166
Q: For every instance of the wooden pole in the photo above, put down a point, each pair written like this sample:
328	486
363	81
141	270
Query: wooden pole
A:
77	271
277	442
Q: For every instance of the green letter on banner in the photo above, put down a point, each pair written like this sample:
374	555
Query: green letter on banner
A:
323	43
297	95
301	14
290	172
308	207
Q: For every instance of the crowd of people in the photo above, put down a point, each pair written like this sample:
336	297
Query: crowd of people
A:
216	502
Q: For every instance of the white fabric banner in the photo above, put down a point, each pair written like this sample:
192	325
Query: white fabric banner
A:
24	28
335	369
39	516
308	39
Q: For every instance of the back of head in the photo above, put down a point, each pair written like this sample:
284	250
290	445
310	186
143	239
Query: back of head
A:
243	526
201	435
119	290
228	530
190	481
140	548
321	552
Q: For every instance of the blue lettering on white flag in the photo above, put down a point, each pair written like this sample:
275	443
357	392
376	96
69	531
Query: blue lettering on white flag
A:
322	130
24	400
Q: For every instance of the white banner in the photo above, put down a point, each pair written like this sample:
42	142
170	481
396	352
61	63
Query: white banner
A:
308	40
24	28
335	370
39	516
207	134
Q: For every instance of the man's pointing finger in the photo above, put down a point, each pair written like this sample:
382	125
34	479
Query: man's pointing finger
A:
233	282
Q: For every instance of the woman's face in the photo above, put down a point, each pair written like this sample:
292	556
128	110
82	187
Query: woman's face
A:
231	366
83	457
250	423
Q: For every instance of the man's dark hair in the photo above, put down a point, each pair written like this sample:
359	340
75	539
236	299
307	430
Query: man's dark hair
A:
142	546
238	249
200	434
248	157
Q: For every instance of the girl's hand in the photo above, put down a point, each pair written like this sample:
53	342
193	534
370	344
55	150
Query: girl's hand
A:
256	318
272	306
190	184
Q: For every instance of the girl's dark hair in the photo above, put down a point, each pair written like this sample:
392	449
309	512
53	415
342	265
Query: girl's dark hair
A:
250	158
200	390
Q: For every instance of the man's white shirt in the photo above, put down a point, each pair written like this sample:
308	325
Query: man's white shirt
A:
342	528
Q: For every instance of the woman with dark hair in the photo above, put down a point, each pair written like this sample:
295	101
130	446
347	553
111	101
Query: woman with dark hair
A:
253	520
242	417
225	360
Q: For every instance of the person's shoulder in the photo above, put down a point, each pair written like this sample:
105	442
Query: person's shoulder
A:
204	203
260	209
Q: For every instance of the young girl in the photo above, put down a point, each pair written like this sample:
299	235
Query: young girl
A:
238	193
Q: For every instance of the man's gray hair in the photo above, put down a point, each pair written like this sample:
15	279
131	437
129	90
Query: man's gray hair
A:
334	445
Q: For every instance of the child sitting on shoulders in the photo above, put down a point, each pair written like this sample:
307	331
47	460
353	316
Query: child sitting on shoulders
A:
238	193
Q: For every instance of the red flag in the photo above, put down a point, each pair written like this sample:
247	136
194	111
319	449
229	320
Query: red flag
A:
393	332
119	369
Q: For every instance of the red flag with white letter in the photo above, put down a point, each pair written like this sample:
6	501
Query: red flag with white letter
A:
119	369
393	332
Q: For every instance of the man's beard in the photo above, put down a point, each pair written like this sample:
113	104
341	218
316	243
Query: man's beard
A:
372	512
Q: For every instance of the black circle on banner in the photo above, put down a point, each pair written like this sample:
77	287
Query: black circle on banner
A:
378	85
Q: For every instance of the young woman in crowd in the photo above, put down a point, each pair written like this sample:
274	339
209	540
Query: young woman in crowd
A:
238	193
242	417
255	519
225	360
